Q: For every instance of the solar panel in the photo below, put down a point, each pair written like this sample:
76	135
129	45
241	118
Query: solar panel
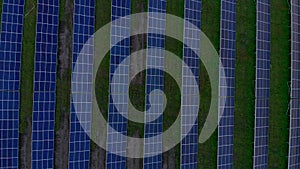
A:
120	49
294	133
11	44
261	133
44	84
226	84
262	94
295	62
9	125
82	77
190	99
10	63
154	84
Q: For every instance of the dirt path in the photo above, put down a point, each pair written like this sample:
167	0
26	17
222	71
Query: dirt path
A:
133	163
98	158
63	110
25	144
62	144
137	43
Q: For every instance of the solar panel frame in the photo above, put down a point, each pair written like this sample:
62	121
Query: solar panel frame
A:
154	84
262	88
10	59
43	116
226	84
190	101
119	86
294	130
82	79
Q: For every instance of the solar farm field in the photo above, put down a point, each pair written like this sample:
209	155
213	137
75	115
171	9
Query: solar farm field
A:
257	71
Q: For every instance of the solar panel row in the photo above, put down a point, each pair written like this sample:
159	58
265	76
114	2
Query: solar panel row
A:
44	84
294	133
10	63
154	84
190	100
226	81
119	84
82	75
262	94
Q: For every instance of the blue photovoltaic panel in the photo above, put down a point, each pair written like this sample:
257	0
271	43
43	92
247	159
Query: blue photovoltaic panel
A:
9	124
263	49
294	133
11	44
82	75
154	84
262	94
44	84
118	107
295	61
43	130
10	62
190	98
226	81
261	133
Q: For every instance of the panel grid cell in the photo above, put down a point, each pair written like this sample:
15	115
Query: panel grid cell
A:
46	44
119	84
190	101
294	131
154	84
226	84
262	88
82	75
10	63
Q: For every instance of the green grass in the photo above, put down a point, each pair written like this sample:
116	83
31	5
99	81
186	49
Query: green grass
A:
210	21
27	64
211	27
245	85
102	14
102	17
136	6
280	75
62	13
